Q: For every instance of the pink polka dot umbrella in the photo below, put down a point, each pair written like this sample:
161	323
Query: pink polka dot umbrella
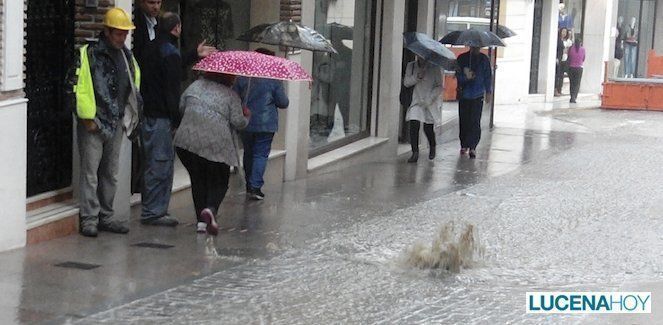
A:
253	64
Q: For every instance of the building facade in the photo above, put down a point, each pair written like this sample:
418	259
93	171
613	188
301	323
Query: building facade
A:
349	114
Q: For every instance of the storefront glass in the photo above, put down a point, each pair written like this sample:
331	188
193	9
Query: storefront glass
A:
455	15
634	36
340	93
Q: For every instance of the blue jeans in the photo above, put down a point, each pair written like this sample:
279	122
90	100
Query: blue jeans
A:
158	160
256	152
630	54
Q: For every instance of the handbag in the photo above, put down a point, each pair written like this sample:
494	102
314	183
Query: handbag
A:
133	111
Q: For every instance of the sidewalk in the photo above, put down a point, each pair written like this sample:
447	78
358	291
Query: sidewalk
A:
295	221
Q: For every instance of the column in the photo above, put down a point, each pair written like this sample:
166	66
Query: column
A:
13	123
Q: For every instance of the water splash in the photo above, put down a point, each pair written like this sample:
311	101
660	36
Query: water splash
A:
210	248
453	249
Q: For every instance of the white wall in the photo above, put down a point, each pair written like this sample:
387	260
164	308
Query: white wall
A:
513	65
598	24
13	149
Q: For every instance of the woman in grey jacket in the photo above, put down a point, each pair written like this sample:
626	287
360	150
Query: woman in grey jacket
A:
205	143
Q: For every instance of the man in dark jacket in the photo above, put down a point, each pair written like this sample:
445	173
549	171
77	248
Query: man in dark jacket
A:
146	20
162	75
162	70
100	127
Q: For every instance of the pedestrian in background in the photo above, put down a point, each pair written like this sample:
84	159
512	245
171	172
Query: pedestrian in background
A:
263	97
564	42
106	75
146	18
474	77
204	143
576	60
426	78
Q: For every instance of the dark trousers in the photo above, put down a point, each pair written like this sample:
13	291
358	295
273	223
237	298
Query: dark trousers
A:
256	153
414	135
560	68
469	117
209	181
575	75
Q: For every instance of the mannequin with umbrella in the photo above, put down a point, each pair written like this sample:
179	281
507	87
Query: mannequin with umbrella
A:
425	75
475	82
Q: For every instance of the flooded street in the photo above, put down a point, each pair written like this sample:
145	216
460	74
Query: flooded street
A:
570	201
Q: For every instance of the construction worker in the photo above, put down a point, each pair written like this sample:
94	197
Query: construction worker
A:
106	78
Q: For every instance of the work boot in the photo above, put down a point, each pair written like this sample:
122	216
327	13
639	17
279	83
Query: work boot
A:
165	221
116	227
88	230
414	157
88	226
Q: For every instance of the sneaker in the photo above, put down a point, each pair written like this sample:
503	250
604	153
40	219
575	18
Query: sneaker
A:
165	221
463	151
89	230
473	154
201	227
113	226
255	194
210	222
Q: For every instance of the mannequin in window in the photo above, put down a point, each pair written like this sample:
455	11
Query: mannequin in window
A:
564	20
630	48
620	32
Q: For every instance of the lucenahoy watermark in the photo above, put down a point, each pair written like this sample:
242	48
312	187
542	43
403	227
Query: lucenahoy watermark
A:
542	302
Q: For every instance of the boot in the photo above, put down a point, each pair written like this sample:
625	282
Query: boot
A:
414	157
112	226
87	226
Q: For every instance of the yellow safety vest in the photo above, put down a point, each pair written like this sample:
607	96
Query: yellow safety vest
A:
86	104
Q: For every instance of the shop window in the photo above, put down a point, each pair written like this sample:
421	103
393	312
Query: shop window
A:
635	36
341	91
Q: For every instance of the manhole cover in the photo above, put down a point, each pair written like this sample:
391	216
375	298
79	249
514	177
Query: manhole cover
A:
153	245
78	265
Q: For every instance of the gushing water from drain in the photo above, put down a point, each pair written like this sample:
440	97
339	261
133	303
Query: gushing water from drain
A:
453	249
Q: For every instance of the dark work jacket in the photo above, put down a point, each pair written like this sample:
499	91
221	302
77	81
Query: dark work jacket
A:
161	78
141	38
111	84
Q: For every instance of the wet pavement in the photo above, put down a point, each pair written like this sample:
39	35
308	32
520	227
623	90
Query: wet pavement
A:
562	199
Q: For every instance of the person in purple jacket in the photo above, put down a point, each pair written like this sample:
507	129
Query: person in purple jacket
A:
576	60
263	97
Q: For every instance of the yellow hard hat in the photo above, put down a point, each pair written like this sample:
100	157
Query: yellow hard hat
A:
118	19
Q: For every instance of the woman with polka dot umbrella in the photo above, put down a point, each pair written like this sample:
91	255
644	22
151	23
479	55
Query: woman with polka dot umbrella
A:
253	64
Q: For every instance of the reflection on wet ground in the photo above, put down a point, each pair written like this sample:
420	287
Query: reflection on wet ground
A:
558	200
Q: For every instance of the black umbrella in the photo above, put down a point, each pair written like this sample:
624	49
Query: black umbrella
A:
504	32
288	34
472	37
429	49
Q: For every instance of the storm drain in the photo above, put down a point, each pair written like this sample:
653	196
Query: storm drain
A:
78	265
153	245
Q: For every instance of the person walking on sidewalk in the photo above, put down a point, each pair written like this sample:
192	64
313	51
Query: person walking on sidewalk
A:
426	103
204	143
102	94
264	98
474	77
576	60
